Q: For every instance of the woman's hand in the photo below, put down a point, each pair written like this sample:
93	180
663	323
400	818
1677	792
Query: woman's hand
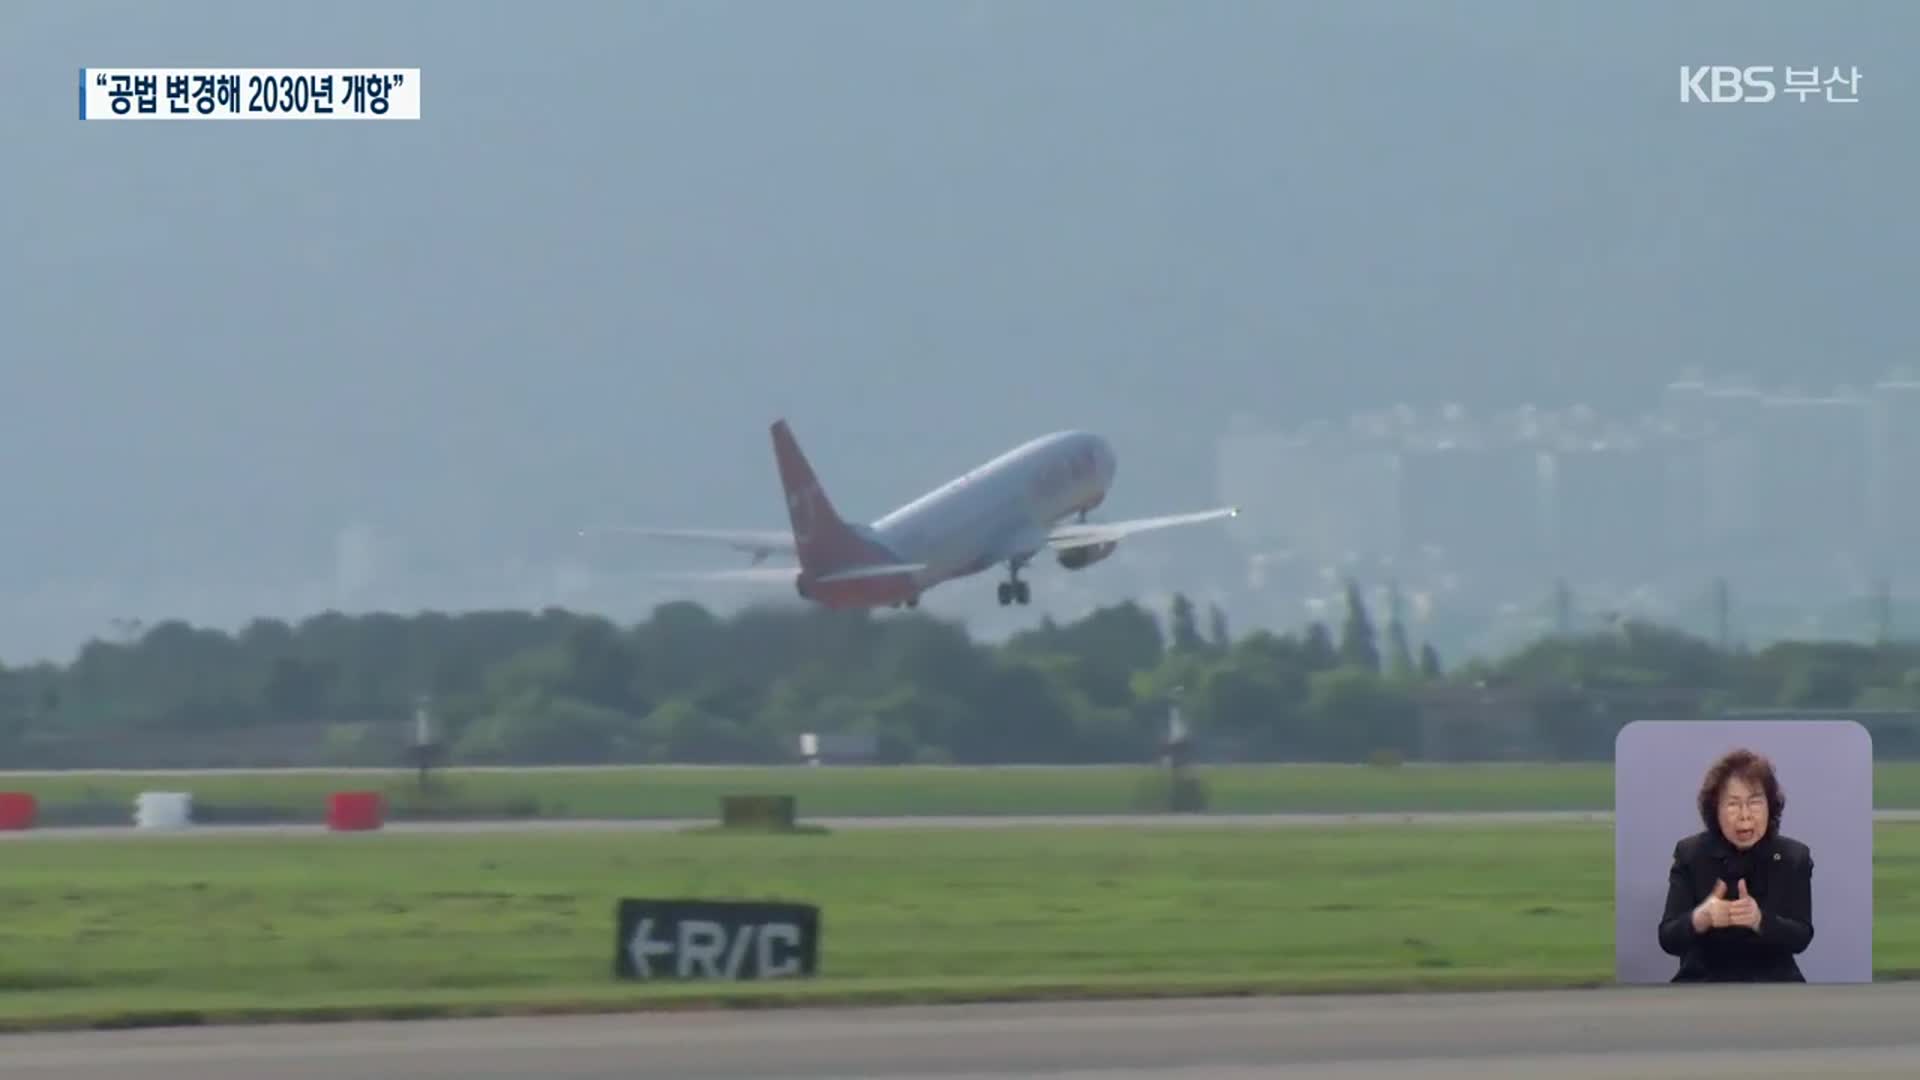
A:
1744	912
1716	911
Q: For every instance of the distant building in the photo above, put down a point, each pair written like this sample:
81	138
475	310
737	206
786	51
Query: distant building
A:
1320	494
1894	496
1786	481
1484	507
1782	493
1813	459
1608	515
1720	424
1686	517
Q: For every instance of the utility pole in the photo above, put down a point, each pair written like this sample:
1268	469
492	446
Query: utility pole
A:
1562	608
1883	610
1182	794
1175	748
425	750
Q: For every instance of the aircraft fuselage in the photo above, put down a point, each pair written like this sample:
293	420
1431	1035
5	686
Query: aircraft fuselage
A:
994	514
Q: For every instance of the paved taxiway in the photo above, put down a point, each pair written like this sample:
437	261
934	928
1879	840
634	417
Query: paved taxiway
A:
1755	1033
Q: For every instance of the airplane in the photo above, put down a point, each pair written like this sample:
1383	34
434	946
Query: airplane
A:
1004	512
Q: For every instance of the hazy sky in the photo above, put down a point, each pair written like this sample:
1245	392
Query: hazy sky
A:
625	236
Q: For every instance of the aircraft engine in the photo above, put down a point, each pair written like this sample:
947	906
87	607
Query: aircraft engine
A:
1079	558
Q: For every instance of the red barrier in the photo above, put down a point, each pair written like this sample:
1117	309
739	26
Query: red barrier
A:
355	811
18	809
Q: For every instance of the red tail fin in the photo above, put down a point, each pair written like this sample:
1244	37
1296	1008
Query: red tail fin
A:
823	540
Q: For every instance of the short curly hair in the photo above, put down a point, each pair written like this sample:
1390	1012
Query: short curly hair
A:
1754	769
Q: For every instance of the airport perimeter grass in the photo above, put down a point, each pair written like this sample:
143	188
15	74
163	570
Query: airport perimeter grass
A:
670	792
189	929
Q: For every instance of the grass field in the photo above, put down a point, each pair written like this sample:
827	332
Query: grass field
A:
199	928
695	793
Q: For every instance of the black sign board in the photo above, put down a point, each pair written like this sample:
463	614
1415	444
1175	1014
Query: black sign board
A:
715	939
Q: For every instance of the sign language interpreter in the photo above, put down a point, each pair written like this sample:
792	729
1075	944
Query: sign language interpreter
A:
1739	894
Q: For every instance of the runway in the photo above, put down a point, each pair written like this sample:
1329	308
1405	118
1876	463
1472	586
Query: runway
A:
1694	1033
690	767
988	821
979	821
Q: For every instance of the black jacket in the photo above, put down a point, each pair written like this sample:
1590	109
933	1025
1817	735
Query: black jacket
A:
1779	876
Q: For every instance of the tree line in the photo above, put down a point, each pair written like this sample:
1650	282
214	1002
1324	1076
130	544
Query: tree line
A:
686	685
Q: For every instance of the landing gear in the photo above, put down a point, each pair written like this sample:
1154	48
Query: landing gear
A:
1013	590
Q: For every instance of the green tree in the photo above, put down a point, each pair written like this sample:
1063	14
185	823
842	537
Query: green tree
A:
686	684
1354	713
1401	665
1358	647
1430	663
1221	640
1319	653
1254	697
1400	662
533	728
1185	633
1111	644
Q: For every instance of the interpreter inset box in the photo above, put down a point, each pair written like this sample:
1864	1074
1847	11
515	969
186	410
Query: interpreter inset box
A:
1743	852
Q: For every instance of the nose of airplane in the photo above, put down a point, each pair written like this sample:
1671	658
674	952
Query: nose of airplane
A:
1103	453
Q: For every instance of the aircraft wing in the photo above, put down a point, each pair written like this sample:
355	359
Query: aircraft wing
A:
861	573
1079	533
752	575
758	543
785	575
